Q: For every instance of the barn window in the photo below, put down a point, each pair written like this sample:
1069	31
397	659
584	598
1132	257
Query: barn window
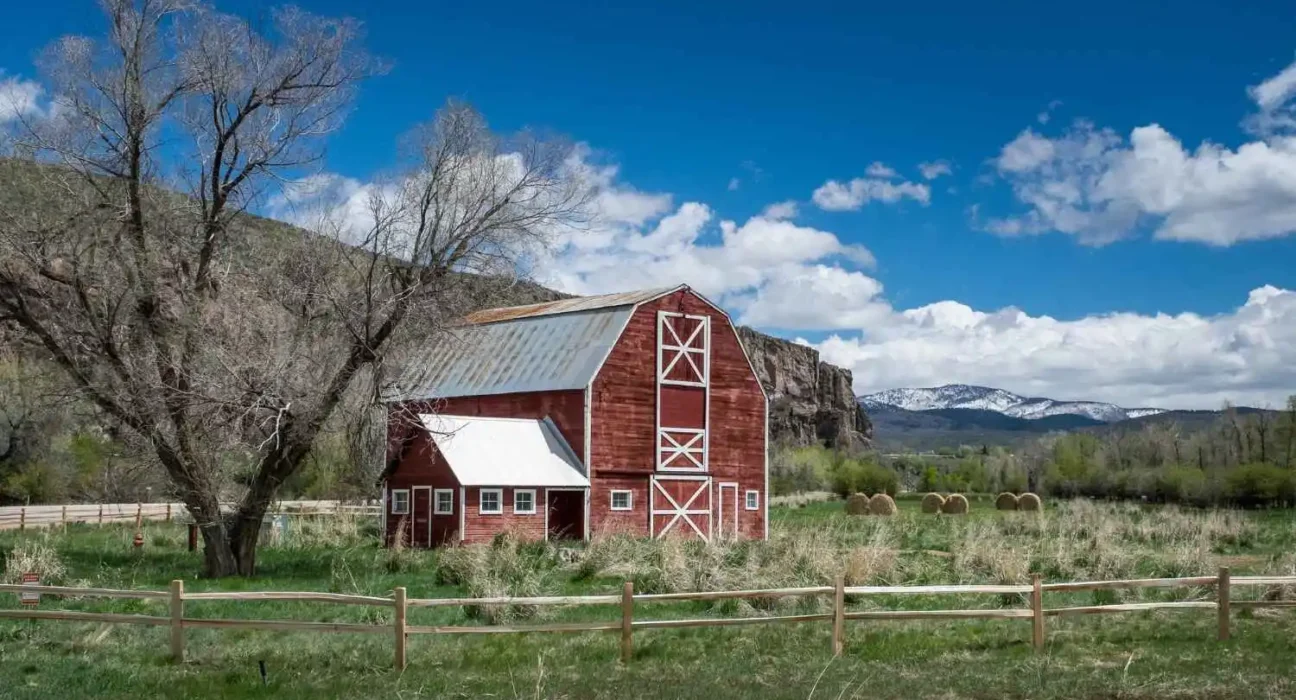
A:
622	500
400	501
753	500
524	501
491	501
444	502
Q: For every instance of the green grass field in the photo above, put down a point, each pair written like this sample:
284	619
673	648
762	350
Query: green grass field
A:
1136	655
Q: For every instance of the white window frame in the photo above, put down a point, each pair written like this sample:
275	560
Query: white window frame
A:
533	502
395	505
499	501
436	501
747	500
629	494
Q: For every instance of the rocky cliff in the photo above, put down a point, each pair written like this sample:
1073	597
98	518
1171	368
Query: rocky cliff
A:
811	401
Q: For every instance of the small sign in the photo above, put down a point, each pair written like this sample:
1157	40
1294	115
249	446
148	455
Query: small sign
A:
29	598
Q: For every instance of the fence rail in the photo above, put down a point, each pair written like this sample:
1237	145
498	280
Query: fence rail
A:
400	629
23	517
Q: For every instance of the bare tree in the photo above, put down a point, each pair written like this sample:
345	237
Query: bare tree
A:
226	342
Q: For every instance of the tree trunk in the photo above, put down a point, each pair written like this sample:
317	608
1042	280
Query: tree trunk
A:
218	556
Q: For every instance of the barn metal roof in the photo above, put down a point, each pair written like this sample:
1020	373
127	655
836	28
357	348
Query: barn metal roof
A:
505	451
529	353
565	306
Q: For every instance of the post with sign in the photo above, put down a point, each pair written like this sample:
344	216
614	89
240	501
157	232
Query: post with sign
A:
30	599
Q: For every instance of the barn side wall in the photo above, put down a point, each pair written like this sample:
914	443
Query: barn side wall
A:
479	527
624	418
422	465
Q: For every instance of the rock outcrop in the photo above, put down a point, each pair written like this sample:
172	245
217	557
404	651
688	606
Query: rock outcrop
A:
811	401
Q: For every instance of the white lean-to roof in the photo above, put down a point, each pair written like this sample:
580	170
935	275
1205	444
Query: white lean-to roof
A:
505	451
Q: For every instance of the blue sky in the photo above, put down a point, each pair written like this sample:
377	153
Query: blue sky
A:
737	106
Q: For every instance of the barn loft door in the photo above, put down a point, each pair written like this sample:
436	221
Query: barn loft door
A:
681	506
683	391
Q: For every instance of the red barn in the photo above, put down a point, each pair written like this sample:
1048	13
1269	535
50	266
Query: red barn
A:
637	412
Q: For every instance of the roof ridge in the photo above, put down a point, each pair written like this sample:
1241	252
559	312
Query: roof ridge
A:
568	305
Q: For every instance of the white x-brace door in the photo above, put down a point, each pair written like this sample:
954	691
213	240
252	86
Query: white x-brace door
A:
687	510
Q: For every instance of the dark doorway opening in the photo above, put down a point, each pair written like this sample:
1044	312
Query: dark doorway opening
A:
566	515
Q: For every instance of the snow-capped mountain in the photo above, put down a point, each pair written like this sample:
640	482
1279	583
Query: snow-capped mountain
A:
987	399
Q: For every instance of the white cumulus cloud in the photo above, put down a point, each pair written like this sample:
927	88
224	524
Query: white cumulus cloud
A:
1096	185
1174	361
934	169
18	98
852	196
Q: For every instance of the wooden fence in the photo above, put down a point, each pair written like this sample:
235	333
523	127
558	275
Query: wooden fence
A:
23	517
627	600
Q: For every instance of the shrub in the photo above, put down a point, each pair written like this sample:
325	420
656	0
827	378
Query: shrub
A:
34	556
1254	485
855	476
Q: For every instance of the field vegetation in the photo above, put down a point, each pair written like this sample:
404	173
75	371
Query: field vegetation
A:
1164	654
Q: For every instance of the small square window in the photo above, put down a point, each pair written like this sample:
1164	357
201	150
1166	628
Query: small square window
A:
400	502
444	502
491	501
622	500
524	501
753	500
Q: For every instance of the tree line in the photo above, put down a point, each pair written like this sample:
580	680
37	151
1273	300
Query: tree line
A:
1243	458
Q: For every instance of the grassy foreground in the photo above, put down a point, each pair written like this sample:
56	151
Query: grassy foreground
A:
1139	655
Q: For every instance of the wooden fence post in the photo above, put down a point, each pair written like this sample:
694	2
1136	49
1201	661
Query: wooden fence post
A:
1222	602
168	512
1037	613
400	628
839	616
63	517
101	514
177	621
22	519
627	621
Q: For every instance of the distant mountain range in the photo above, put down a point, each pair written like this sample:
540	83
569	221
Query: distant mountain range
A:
960	414
982	398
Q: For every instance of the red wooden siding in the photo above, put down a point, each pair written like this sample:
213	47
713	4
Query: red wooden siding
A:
422	465
483	527
683	406
624	411
604	520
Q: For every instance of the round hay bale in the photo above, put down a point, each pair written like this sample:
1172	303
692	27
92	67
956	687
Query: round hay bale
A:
881	504
857	504
1030	502
955	504
932	503
1006	501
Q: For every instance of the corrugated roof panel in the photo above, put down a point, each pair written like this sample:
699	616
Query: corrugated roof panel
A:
540	353
565	306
